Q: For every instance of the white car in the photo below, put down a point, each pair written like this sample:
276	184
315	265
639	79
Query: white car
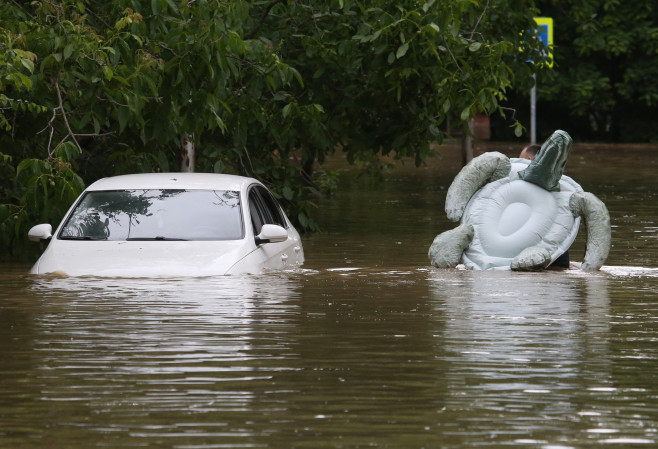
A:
170	224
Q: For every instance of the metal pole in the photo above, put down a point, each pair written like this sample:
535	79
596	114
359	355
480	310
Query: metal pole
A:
533	110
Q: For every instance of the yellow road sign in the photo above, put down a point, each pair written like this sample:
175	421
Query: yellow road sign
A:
546	36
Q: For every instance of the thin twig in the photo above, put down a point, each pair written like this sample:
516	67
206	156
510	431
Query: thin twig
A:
249	159
18	5
244	169
52	131
451	55
163	46
480	18
266	13
98	17
110	133
510	109
66	121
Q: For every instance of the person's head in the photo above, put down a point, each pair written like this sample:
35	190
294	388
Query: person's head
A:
530	151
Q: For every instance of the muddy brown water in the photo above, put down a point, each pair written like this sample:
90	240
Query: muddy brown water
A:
366	346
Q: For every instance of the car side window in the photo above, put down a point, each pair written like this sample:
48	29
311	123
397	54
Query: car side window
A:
256	210
273	208
264	209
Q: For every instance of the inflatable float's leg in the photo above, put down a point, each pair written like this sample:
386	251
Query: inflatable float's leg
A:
485	168
597	218
447	248
531	259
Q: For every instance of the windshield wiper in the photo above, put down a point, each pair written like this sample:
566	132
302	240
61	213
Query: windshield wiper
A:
81	237
158	237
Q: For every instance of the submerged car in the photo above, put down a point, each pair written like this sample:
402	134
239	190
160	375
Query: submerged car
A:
170	224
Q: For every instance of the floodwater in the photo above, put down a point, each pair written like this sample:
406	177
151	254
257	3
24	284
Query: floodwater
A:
366	346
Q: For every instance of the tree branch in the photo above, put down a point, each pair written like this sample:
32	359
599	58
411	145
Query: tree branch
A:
66	121
480	18
266	13
22	7
451	54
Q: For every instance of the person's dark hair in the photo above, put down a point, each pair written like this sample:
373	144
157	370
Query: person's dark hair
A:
531	150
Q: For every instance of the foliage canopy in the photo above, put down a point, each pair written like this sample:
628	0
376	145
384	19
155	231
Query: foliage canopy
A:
90	88
603	84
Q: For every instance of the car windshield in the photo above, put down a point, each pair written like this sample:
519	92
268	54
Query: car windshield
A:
156	214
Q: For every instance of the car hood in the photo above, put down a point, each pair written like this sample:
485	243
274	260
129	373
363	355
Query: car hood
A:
141	258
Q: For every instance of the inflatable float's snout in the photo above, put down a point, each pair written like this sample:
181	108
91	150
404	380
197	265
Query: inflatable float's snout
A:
547	167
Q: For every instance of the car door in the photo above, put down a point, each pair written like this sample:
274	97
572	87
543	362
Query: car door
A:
264	209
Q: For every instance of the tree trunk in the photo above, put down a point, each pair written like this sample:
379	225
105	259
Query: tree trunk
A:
308	159
467	143
187	150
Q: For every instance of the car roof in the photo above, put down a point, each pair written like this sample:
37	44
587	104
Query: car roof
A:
188	181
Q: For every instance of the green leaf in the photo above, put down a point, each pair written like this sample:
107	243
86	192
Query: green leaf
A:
303	219
402	50
121	23
26	164
67	151
287	193
163	163
107	71
466	113
428	4
475	46
172	5
219	167
28	65
297	76
68	51
123	116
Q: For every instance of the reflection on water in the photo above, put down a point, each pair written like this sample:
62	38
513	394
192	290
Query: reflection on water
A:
121	357
366	346
332	357
523	342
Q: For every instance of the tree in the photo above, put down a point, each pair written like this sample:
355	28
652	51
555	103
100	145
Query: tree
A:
391	76
606	63
264	88
384	78
120	83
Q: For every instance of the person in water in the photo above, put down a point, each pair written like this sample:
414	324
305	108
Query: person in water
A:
529	152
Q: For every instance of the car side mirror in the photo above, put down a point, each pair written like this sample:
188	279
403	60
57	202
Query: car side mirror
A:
40	232
271	234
